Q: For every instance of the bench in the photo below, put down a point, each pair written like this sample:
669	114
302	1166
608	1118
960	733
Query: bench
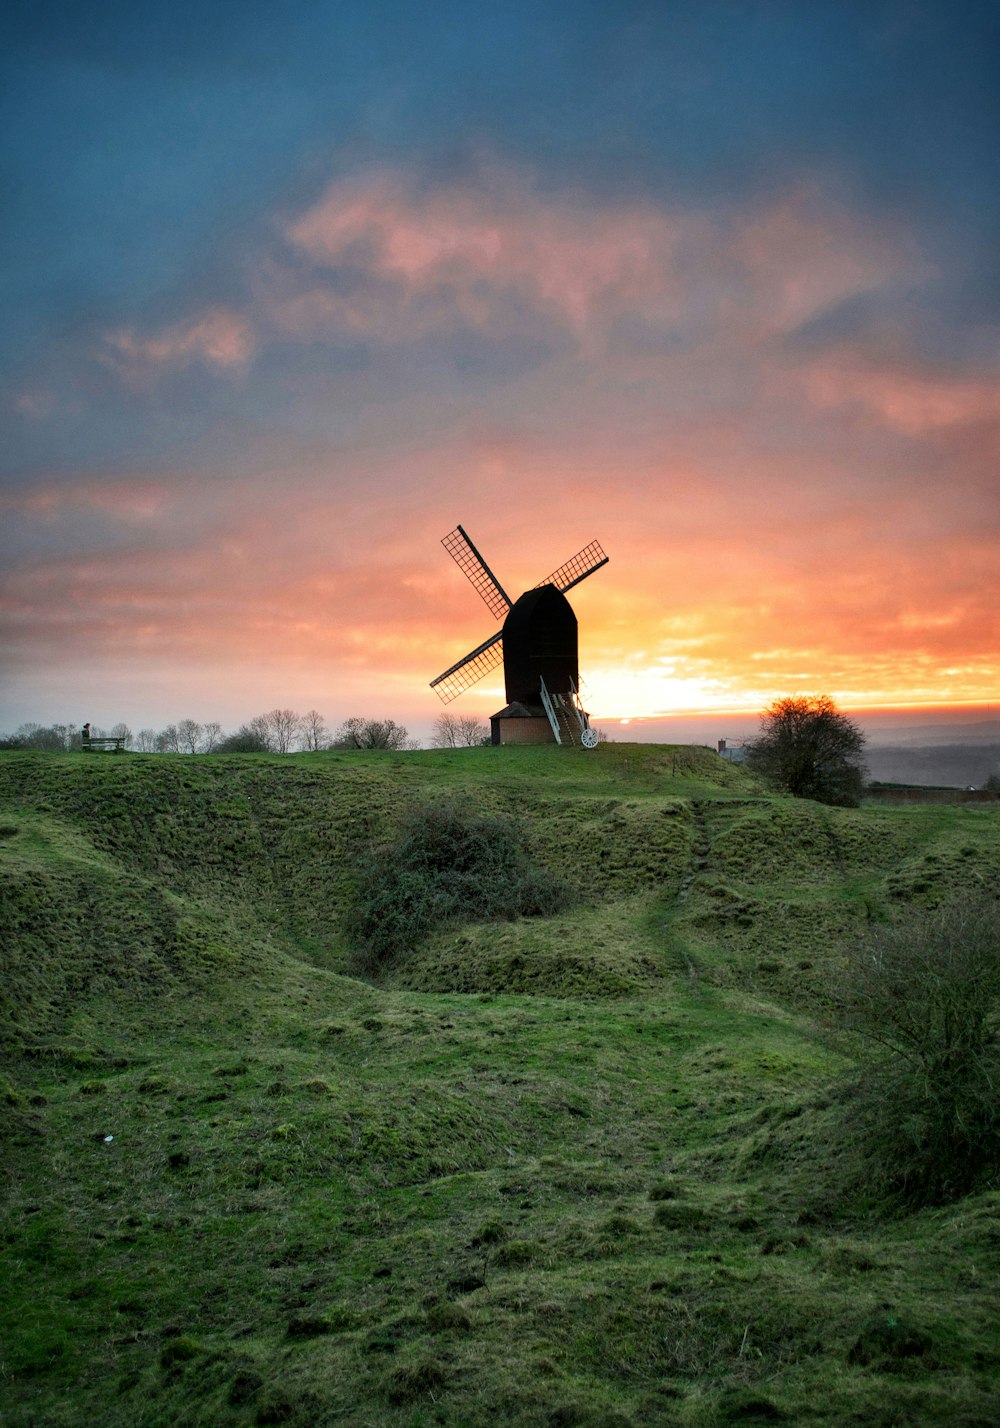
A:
109	744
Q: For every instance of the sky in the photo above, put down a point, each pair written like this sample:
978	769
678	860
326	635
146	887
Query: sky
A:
290	289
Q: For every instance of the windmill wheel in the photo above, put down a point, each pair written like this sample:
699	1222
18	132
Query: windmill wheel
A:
589	739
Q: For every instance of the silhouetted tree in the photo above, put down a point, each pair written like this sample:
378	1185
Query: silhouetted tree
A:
189	733
358	733
283	727
168	740
211	734
808	748
51	740
313	731
451	732
248	739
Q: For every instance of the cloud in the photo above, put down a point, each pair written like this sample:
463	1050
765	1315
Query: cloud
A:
561	253
908	401
217	338
383	257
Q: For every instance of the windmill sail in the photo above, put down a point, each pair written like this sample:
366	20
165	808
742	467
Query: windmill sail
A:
584	563
487	656
474	568
471	668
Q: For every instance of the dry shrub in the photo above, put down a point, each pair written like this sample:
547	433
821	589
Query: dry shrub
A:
925	997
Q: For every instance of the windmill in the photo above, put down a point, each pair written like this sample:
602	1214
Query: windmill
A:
537	647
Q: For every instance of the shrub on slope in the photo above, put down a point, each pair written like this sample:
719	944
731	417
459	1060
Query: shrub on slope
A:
446	865
925	997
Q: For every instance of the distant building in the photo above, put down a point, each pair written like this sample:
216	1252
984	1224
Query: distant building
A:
735	755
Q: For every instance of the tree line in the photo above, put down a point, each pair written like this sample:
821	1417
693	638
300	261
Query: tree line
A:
278	731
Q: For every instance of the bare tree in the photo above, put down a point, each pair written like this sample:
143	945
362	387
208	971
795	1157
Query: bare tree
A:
451	732
314	733
259	729
35	736
211	735
444	735
122	731
283	726
358	733
168	740
471	731
145	741
189	733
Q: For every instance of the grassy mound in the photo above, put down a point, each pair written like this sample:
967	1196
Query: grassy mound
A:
78	927
587	952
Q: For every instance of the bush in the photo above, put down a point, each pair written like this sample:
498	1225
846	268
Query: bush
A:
925	997
447	864
246	740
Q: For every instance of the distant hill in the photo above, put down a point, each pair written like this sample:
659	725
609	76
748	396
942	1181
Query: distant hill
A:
950	765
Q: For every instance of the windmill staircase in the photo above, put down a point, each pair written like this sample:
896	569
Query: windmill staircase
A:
567	718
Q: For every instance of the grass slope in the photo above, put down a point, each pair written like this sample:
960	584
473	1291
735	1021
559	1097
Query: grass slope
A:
561	1171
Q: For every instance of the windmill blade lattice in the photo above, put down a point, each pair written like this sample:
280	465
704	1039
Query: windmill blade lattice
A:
468	670
584	563
477	572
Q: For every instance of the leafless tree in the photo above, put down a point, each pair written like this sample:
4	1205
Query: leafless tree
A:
34	736
259	728
210	737
314	733
471	731
283	726
145	741
168	740
451	732
122	731
189	734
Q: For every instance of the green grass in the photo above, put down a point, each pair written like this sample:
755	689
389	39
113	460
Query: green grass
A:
572	1170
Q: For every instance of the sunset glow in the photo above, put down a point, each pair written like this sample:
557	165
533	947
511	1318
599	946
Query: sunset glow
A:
652	297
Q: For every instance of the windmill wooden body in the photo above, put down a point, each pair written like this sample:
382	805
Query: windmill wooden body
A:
537	646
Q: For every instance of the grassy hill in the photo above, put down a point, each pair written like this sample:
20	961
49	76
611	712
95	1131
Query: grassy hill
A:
569	1170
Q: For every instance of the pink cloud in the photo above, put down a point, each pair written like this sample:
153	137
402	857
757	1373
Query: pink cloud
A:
420	258
563	253
912	403
217	338
803	252
137	499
